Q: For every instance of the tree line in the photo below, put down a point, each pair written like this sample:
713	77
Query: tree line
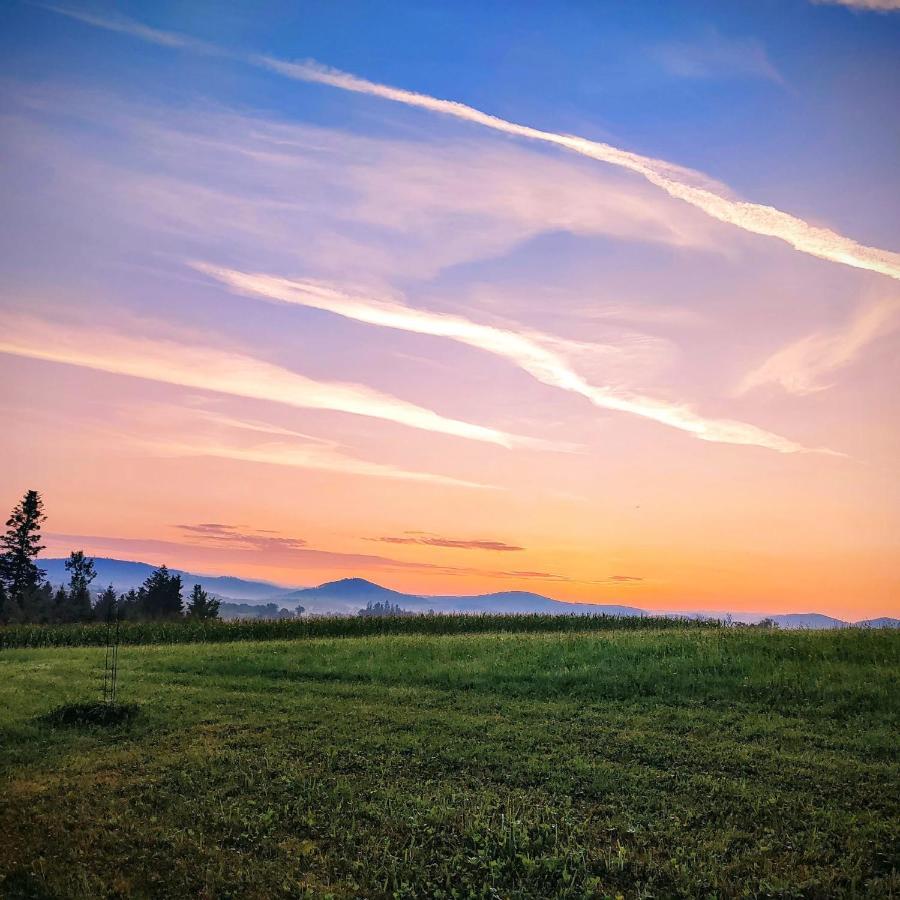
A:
26	596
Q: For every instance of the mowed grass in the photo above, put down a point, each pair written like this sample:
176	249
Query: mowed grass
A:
676	763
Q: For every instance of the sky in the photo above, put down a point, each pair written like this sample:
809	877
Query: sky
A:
591	299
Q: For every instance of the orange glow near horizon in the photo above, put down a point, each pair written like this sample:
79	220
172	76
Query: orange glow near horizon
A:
627	538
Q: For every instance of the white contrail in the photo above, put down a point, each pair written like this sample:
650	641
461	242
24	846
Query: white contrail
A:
674	180
124	25
752	217
529	351
225	372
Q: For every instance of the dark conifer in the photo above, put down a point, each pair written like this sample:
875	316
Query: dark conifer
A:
19	548
107	606
131	604
37	605
162	595
81	574
60	606
201	605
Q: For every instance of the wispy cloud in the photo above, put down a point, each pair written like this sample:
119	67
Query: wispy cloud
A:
223	556
433	540
124	25
539	355
538	576
204	434
684	184
870	5
224	553
225	372
361	206
714	55
802	367
227	544
307	456
221	535
216	418
674	180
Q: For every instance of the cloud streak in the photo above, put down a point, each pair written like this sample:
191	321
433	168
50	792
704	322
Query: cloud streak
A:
220	554
801	366
221	535
433	540
304	452
366	207
226	372
870	5
674	180
310	456
215	418
714	55
677	181
536	354
293	553
124	25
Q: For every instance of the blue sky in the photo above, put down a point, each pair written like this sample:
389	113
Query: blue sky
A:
609	67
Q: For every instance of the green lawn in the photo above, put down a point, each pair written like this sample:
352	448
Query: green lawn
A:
678	763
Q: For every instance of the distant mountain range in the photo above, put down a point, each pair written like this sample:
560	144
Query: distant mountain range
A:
881	622
124	575
349	595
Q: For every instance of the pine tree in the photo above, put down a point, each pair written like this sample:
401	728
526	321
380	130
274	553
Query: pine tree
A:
81	574
60	607
36	606
107	606
19	548
131	605
201	606
162	595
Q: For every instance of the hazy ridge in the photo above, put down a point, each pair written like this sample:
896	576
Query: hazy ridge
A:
348	595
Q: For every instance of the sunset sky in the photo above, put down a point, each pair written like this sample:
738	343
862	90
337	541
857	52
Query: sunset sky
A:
620	323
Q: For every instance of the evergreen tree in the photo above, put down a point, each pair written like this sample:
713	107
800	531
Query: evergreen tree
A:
162	595
60	606
386	608
131	605
19	548
81	574
36	605
107	606
201	605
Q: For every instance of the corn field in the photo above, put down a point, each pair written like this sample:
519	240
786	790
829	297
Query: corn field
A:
93	634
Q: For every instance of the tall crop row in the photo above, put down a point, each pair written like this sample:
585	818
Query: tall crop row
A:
175	632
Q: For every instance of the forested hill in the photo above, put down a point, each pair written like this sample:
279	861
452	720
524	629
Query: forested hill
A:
124	575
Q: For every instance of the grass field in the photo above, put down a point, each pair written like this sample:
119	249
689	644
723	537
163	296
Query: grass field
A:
674	763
